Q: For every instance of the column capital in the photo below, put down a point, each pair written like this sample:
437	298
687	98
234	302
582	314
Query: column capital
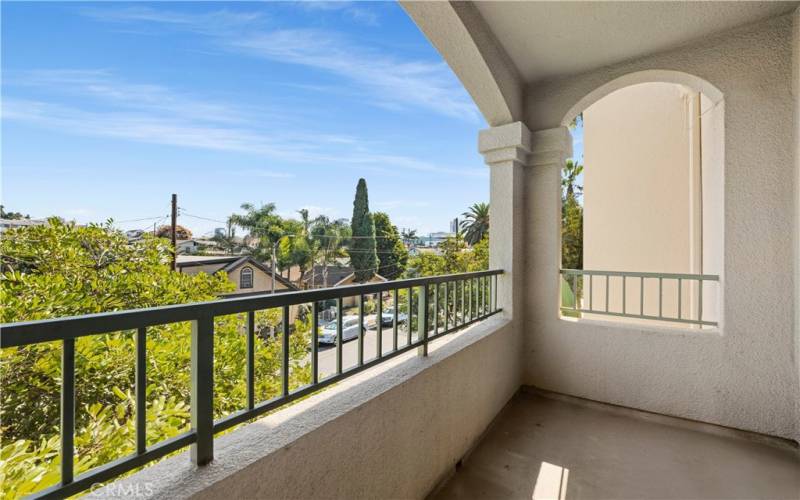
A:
550	146
505	143
514	143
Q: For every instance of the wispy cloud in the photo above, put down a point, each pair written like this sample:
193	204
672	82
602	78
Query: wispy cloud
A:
392	82
388	81
218	22
350	9
154	114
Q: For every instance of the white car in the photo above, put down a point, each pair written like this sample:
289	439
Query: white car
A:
349	330
387	317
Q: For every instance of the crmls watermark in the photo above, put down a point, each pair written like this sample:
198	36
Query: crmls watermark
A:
138	490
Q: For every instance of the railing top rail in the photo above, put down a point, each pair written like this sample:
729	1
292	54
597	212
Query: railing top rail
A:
48	330
634	274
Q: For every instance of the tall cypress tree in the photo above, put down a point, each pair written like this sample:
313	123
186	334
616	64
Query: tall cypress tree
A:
363	256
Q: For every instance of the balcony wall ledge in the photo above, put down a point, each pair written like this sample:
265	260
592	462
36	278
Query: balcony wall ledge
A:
395	430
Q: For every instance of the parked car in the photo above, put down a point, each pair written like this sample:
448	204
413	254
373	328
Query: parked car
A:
387	317
349	330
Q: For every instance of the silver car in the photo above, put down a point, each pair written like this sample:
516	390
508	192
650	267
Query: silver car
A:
349	330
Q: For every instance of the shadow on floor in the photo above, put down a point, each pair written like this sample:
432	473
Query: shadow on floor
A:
546	447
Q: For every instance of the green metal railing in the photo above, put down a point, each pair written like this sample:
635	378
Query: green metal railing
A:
473	298
582	281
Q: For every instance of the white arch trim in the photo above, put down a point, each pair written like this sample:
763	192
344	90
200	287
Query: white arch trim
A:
649	76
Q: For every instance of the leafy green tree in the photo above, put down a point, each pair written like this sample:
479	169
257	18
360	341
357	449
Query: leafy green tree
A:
571	216
392	254
409	236
569	179
296	249
12	215
571	234
476	223
228	242
362	251
181	232
331	237
61	269
264	224
454	257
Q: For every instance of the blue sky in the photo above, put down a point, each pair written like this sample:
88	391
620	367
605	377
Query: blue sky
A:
110	107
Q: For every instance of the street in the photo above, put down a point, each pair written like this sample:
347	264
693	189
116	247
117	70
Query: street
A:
327	353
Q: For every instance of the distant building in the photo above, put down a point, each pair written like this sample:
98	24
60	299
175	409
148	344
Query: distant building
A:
454	226
6	224
249	275
434	239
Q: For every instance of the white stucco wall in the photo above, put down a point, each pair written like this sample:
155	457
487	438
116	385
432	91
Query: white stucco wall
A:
393	431
744	376
641	194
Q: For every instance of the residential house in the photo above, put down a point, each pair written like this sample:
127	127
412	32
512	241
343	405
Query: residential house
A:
249	275
337	275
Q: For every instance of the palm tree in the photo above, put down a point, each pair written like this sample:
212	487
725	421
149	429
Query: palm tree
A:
476	223
262	223
569	179
409	236
330	237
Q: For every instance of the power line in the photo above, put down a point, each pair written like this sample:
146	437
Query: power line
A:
137	220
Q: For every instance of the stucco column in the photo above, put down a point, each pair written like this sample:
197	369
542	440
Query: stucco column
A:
549	150
506	149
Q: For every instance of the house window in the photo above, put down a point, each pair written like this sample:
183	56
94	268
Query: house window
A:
246	278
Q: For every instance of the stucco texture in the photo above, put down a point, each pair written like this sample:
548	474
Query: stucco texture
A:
394	431
745	375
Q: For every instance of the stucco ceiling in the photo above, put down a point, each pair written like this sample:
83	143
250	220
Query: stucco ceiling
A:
551	39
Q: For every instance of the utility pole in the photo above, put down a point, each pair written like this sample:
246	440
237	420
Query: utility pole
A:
173	224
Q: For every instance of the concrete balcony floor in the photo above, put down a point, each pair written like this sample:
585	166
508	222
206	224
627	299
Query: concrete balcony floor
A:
549	446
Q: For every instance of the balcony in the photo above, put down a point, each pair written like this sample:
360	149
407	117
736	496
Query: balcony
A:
495	392
434	307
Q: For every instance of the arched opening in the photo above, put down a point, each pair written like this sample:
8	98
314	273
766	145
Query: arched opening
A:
642	202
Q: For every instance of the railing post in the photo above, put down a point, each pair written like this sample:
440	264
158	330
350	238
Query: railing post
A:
379	325
141	390
315	342
202	366
67	410
251	360
285	352
422	320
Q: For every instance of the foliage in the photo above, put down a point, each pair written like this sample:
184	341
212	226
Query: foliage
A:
571	217
12	215
362	250
455	257
572	234
60	270
181	232
569	179
228	241
409	236
264	224
476	223
296	249
392	254
330	237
